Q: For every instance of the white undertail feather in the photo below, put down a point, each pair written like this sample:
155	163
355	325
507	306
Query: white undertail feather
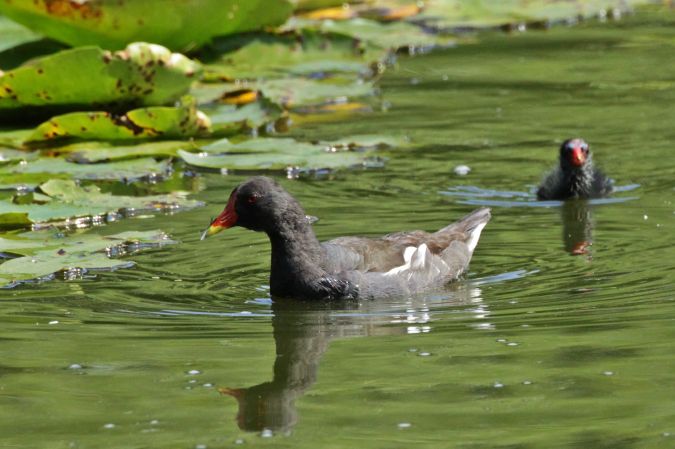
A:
475	235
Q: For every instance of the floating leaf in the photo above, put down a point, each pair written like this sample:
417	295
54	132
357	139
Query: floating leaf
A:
299	53
73	201
45	168
235	118
144	123
454	14
90	78
13	34
175	24
11	155
271	154
296	92
389	36
89	152
41	254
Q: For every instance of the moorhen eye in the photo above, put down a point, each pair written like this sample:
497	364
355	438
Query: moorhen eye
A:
349	267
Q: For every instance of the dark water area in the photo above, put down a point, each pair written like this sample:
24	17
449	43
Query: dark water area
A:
561	335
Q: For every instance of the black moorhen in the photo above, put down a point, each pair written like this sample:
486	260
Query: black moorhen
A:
346	267
575	177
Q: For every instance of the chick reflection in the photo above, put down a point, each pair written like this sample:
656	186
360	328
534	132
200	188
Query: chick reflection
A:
577	219
302	332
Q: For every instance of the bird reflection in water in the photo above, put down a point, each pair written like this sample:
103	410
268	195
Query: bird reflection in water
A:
577	220
302	332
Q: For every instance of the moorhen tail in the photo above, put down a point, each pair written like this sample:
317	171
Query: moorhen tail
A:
575	177
346	267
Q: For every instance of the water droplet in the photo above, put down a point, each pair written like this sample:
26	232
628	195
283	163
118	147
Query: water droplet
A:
267	433
412	350
207	385
527	382
462	170
513	301
513	343
425	354
645	217
498	385
54	322
154	422
501	340
200	446
74	366
193	372
608	373
109	426
192	381
404	425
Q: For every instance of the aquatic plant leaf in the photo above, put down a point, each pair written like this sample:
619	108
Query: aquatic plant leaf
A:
234	118
271	154
315	4
392	36
12	155
365	141
115	171
73	201
176	24
297	92
89	78
305	52
90	152
453	14
41	254
13	34
152	122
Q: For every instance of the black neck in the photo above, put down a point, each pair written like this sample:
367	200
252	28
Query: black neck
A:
297	256
579	180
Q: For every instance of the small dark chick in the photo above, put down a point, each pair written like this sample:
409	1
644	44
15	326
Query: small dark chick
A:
575	177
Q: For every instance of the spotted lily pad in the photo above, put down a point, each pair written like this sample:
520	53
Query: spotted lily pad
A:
306	52
88	78
39	255
152	122
174	23
88	152
273	154
73	201
297	92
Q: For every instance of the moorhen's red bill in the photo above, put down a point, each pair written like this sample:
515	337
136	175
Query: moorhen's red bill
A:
575	176
346	267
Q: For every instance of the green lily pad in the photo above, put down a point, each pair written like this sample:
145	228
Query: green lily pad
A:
234	118
392	36
73	201
176	24
299	53
45	168
453	14
12	155
298	92
152	122
88	77
13	34
90	152
272	154
42	254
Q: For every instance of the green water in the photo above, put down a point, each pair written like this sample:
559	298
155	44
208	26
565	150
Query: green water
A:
536	348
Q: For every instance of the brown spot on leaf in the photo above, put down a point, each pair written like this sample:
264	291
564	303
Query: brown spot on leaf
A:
61	252
73	8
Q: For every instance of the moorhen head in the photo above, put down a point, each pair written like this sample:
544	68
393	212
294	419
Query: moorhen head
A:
575	176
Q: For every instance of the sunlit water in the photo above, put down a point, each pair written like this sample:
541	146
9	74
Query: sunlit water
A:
561	335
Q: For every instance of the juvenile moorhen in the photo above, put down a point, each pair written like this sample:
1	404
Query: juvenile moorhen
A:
346	267
575	177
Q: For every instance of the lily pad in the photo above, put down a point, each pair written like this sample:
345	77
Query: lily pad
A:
176	24
388	36
46	167
89	152
272	154
12	155
306	52
13	34
73	201
230	118
447	15
297	92
152	122
88	77
41	254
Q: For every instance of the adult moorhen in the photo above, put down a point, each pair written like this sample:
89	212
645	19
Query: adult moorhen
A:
346	267
575	177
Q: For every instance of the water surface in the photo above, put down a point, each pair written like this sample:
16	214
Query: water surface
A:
561	336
